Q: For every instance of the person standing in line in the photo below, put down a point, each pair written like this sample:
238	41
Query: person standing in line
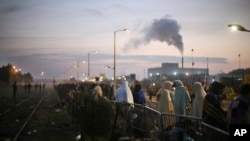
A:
181	98
14	90
97	91
239	108
25	87
150	92
213	112
29	87
132	87
165	101
43	86
138	94
197	103
124	94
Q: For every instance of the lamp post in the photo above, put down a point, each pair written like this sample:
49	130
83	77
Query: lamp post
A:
238	27
89	61
192	50
114	88
239	61
108	67
192	58
78	65
78	70
42	76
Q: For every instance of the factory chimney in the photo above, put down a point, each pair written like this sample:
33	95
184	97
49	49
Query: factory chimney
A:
182	61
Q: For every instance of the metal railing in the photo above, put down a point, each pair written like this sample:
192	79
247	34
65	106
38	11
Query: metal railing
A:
180	127
145	123
210	133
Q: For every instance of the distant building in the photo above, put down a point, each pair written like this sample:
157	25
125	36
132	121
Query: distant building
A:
172	71
130	78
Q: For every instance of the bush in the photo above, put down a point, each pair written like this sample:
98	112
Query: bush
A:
99	116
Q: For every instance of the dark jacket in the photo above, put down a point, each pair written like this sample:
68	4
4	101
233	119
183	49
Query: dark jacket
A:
138	95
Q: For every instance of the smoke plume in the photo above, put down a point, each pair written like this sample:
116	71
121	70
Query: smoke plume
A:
163	30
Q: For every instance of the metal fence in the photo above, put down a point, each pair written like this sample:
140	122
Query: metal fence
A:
144	122
180	127
210	133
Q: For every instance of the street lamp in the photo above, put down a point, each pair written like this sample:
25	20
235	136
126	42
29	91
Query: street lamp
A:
89	61
115	58
238	27
78	63
108	67
192	50
239	61
42	76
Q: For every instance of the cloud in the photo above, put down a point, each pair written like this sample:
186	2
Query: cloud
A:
55	64
165	29
10	9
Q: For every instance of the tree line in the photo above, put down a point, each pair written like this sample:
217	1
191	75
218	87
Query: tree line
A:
9	74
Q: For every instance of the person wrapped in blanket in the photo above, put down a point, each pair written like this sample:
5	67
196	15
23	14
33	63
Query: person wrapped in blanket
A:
239	108
213	112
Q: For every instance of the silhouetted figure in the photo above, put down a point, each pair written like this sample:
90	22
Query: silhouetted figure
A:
239	112
14	90
138	94
43	86
213	112
40	87
29	87
25	87
36	87
150	91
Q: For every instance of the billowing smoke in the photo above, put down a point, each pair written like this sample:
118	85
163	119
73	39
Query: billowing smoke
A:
163	30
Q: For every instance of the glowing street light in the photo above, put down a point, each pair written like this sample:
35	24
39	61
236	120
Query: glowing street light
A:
115	58
237	27
108	67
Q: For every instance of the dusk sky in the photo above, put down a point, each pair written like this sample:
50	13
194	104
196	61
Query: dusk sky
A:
51	36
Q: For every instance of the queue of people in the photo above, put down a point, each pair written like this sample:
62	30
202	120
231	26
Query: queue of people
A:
173	97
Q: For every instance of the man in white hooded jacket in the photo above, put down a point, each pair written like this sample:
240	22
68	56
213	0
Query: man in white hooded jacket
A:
124	94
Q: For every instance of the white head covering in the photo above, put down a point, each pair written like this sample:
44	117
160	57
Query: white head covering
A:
199	90
124	93
97	91
165	101
181	98
197	104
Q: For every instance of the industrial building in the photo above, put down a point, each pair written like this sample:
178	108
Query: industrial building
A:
172	71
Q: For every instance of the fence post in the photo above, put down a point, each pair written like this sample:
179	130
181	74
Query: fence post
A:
73	112
162	137
92	121
115	120
82	122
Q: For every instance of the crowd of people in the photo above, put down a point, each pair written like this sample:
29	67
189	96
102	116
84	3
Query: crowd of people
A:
27	88
204	102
